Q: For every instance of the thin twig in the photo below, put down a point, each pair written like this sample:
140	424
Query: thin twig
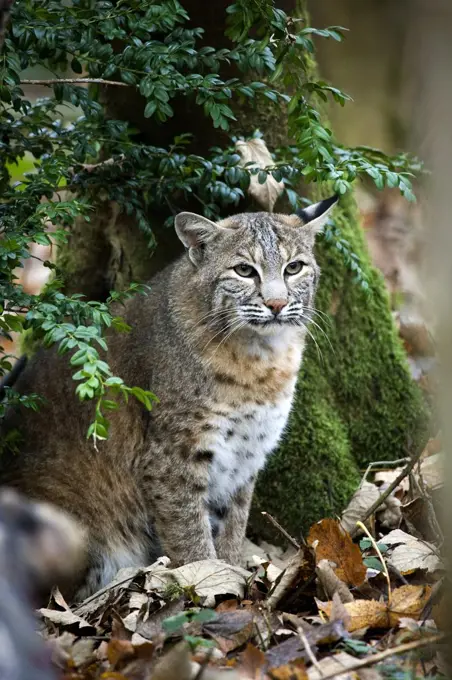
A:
309	652
382	462
377	550
281	529
380	656
72	81
381	499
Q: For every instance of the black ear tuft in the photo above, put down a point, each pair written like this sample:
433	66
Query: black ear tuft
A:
316	210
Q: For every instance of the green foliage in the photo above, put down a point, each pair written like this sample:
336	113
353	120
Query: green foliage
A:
149	46
175	625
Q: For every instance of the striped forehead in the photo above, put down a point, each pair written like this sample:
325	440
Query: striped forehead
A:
267	243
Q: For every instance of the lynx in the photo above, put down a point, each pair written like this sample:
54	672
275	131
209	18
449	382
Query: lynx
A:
219	339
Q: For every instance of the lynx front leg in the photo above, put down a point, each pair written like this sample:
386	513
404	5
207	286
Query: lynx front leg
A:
229	542
180	514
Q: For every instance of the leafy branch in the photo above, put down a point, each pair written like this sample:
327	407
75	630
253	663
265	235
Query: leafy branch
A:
76	165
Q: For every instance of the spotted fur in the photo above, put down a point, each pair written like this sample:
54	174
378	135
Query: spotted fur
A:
220	340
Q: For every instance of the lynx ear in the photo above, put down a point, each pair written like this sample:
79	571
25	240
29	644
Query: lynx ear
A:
194	230
316	215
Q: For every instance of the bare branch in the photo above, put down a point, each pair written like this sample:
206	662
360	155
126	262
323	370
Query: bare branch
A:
381	499
72	81
387	653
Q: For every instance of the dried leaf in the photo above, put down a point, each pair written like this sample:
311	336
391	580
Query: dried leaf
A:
253	662
410	553
231	629
118	651
331	583
286	653
432	471
67	618
149	626
299	570
337	664
175	665
212	577
360	503
290	672
255	151
362	614
336	545
406	601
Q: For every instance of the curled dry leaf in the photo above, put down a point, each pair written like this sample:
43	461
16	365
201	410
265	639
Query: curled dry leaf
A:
432	471
389	513
331	583
361	501
67	619
212	577
255	151
231	629
407	601
333	543
300	568
410	553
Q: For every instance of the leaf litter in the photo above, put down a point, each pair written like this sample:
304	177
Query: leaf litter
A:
329	609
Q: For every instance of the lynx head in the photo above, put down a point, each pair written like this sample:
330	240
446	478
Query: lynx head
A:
255	270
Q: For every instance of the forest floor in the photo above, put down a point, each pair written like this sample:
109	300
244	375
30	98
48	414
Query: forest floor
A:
331	606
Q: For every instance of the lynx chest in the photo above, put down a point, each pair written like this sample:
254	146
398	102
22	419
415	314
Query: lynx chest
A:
245	424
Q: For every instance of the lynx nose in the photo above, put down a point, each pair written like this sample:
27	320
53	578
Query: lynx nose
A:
276	305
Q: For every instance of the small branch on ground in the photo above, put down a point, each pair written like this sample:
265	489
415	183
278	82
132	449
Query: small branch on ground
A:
380	656
307	646
381	499
276	524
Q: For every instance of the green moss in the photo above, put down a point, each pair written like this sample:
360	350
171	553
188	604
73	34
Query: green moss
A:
356	403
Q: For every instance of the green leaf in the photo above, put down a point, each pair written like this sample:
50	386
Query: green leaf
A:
373	563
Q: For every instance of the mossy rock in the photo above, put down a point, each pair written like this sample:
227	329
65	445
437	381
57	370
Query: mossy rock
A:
356	401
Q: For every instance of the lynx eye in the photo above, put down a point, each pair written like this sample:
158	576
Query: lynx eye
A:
294	267
245	270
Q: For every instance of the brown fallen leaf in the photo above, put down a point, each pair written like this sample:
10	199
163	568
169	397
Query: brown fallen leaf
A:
119	651
407	601
335	544
253	663
255	151
290	672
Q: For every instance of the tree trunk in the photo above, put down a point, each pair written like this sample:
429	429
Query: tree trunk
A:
355	401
